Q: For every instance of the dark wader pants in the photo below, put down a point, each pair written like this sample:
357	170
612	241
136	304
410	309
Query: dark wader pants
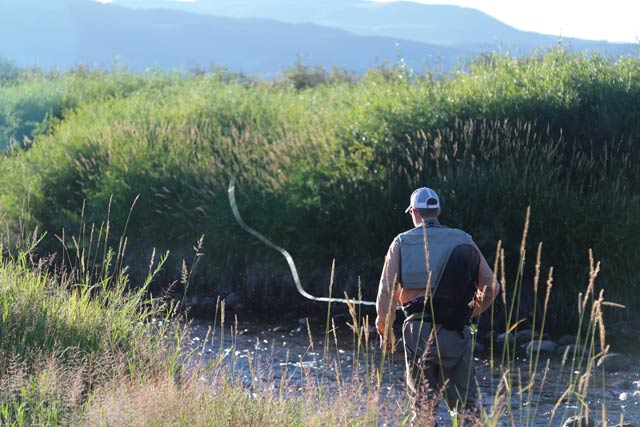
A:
442	362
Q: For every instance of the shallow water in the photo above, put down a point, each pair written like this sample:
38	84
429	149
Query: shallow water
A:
284	352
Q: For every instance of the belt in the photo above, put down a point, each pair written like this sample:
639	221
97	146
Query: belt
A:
417	305
449	320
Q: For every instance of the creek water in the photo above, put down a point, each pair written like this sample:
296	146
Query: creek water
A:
284	350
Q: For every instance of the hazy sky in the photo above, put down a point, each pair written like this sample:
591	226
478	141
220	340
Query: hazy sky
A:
611	20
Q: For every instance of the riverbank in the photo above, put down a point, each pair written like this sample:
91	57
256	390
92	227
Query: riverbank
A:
76	351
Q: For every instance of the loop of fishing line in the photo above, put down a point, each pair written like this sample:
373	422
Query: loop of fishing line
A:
292	266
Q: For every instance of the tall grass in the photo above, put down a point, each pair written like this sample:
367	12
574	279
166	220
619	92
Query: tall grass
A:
94	353
326	170
521	388
65	332
79	346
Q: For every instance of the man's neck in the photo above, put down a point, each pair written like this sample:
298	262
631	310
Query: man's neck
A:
429	221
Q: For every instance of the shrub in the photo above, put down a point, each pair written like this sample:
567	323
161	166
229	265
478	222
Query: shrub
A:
327	171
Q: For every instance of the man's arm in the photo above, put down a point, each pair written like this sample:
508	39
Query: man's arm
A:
488	287
387	298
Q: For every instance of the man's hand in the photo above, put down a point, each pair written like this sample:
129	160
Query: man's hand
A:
388	343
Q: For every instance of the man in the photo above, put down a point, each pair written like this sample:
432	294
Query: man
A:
441	279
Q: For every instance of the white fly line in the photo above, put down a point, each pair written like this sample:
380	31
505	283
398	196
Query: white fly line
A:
292	266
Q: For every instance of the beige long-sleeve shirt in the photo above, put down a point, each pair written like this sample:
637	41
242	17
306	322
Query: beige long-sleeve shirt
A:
390	292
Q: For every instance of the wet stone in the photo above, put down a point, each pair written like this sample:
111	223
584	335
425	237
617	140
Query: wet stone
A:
546	347
525	335
479	347
567	340
578	421
231	300
490	336
570	349
502	338
614	362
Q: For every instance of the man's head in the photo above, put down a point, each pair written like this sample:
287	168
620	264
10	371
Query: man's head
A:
424	204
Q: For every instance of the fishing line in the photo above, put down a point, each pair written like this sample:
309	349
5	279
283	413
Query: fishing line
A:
292	266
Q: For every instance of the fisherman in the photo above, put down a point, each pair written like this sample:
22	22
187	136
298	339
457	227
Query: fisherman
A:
442	280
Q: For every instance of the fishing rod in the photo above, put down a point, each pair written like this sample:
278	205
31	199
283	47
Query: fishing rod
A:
292	265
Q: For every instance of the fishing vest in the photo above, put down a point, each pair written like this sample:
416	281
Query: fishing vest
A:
451	306
441	241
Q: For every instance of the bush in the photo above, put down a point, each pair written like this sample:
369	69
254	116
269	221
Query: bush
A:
32	106
326	171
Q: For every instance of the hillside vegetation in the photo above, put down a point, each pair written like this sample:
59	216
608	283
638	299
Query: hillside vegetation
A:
325	166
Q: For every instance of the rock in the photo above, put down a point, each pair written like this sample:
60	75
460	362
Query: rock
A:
525	335
625	329
479	347
200	305
567	340
491	336
570	349
545	347
502	338
231	300
578	421
562	348
624	336
614	362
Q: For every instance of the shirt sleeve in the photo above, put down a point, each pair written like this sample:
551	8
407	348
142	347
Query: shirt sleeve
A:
387	297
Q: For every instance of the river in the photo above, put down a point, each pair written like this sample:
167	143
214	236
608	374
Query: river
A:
297	351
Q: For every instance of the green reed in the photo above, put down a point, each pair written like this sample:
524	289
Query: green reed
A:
502	135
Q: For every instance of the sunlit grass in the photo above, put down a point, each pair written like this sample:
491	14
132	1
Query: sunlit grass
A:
93	354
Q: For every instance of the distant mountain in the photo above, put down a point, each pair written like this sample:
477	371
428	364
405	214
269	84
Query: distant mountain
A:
256	36
465	28
63	33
